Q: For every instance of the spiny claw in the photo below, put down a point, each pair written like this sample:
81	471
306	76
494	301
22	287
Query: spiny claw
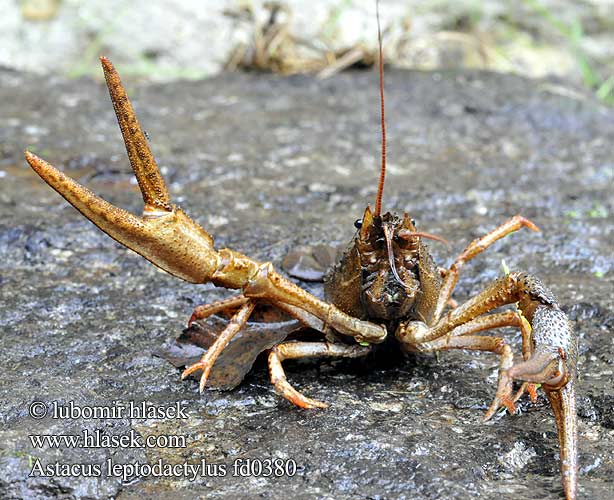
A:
155	194
557	377
553	364
164	235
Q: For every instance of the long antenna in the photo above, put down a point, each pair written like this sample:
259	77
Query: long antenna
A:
382	175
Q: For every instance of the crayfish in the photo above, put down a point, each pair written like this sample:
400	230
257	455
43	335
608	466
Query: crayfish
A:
386	290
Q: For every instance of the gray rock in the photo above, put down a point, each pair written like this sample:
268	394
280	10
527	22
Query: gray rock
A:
267	164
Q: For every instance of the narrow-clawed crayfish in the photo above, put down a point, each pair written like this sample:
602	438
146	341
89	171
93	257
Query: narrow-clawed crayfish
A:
385	290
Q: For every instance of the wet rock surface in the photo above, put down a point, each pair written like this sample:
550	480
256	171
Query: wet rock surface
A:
267	164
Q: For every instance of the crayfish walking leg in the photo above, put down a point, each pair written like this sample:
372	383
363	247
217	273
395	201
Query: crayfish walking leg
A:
298	350
552	351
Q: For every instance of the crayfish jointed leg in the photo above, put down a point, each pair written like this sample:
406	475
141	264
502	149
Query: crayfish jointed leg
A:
298	350
474	248
205	310
464	337
551	351
205	364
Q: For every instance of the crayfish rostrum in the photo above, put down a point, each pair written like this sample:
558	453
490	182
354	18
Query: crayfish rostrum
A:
386	289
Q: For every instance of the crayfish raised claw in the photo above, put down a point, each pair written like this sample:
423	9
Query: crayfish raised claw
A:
385	289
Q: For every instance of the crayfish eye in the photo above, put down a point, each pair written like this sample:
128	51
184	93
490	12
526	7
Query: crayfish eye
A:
358	223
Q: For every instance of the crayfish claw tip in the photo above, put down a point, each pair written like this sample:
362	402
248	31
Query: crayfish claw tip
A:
106	63
32	158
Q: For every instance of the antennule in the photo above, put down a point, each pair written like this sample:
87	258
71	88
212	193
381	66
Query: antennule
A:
382	175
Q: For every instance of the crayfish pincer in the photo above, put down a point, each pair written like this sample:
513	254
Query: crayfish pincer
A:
386	288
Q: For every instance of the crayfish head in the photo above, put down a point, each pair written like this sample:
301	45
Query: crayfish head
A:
388	260
388	249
